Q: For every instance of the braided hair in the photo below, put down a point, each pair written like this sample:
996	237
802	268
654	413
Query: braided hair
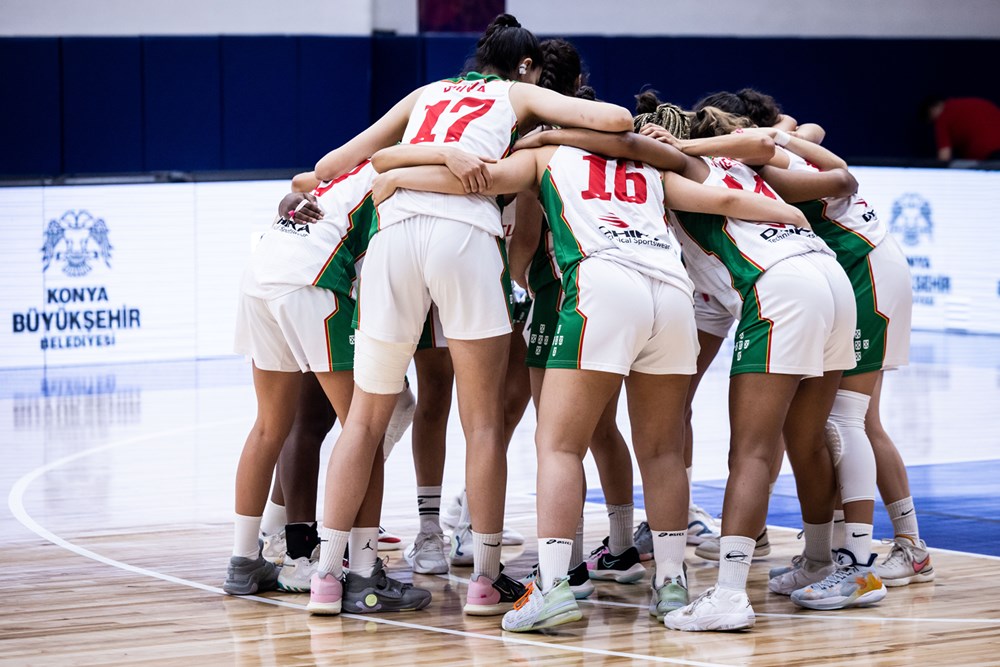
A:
669	116
562	68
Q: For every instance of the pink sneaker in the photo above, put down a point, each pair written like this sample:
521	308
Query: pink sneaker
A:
489	598
325	594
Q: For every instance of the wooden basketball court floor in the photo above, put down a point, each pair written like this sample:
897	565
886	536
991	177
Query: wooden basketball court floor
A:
117	531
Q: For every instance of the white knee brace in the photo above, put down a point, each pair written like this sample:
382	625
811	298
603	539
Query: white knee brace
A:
852	452
380	367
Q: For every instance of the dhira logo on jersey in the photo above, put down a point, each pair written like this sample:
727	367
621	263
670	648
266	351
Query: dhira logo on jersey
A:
614	221
76	238
911	219
291	227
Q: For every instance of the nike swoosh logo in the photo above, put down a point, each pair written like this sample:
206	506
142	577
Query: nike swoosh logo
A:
736	555
909	511
611	563
919	567
487	544
859	535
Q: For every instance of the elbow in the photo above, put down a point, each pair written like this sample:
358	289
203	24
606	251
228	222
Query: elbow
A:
621	121
848	185
765	149
380	162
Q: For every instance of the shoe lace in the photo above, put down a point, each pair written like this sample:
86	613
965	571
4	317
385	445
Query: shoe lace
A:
837	577
523	600
897	555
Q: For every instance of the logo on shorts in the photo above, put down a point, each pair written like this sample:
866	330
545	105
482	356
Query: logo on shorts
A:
911	219
76	239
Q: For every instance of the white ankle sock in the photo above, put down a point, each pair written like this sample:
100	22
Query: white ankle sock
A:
486	554
668	552
274	519
735	556
331	550
247	534
363	550
859	541
904	519
553	560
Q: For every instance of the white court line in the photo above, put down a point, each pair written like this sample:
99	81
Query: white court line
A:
802	616
15	502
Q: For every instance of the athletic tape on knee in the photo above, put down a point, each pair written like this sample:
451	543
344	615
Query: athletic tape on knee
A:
852	451
380	367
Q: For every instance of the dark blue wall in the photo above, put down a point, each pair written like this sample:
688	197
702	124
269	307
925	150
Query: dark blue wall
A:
103	105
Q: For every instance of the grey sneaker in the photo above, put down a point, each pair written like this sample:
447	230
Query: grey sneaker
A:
673	594
379	592
247	576
643	539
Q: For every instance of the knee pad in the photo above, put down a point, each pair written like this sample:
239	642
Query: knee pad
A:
852	452
380	367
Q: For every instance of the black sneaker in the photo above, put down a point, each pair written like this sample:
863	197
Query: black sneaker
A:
624	568
379	592
579	580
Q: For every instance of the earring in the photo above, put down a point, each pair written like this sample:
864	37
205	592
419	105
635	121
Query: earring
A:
522	70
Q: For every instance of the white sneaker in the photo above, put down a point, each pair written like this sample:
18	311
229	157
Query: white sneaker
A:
296	574
907	563
537	610
511	538
402	417
274	547
388	541
715	609
800	574
709	548
462	552
701	526
426	554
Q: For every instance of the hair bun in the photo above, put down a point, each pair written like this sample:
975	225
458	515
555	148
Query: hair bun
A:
586	93
505	21
646	102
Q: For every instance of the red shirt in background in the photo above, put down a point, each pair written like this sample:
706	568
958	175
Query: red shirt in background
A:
970	126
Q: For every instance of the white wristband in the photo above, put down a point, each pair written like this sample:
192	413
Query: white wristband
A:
781	138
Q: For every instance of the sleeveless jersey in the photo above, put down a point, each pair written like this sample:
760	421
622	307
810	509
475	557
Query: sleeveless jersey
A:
725	256
474	114
323	254
611	209
847	224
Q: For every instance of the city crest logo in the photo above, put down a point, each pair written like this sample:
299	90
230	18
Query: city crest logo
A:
911	219
76	239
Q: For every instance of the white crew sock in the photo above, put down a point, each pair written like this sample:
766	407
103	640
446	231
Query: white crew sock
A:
553	561
903	515
818	540
275	518
858	541
364	550
576	557
429	508
735	555
331	550
247	534
839	532
668	553
486	554
620	536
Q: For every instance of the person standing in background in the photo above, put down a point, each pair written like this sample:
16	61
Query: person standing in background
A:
965	128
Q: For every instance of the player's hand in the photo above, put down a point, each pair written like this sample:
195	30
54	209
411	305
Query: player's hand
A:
660	134
301	207
471	170
383	187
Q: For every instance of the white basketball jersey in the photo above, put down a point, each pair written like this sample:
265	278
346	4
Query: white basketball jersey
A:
725	256
291	255
850	217
474	114
612	209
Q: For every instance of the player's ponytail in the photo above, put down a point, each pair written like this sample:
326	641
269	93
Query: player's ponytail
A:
504	45
562	68
714	122
669	116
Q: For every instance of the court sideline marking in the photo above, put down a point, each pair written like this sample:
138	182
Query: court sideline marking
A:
15	502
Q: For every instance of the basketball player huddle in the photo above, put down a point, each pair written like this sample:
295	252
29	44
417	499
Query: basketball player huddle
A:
413	241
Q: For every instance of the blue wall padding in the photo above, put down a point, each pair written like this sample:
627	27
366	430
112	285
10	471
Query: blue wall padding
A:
102	104
182	102
31	113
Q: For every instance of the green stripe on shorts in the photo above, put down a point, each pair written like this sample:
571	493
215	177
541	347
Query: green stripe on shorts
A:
870	336
752	350
544	320
340	335
567	343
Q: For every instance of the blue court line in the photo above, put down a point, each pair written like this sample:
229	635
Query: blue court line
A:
958	504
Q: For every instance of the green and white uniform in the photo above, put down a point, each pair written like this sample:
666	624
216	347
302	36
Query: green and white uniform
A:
627	303
545	285
877	269
297	295
445	249
794	303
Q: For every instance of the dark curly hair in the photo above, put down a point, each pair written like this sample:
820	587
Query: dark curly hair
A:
760	108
